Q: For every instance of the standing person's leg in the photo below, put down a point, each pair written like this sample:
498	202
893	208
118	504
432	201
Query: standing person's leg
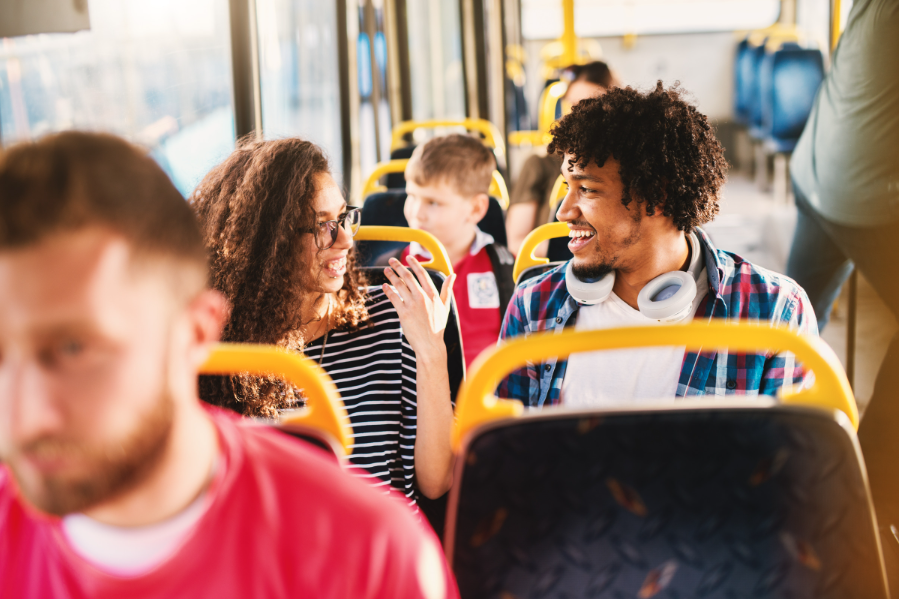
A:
874	251
878	439
816	262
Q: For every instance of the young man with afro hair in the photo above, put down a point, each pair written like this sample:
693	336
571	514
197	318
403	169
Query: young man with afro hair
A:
644	171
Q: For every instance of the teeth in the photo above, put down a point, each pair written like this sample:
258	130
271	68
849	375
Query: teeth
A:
580	233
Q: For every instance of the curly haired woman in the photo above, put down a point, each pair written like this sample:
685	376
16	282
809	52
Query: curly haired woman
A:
280	237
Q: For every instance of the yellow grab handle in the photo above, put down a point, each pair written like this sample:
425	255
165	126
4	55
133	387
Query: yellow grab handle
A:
549	98
491	133
324	409
497	188
476	403
526	257
546	118
382	169
440	260
558	192
529	138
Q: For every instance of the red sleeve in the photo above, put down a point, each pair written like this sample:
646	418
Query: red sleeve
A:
416	567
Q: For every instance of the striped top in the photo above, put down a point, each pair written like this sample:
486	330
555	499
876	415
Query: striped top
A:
374	369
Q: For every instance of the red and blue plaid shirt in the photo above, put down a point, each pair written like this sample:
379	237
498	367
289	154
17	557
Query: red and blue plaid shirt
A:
738	291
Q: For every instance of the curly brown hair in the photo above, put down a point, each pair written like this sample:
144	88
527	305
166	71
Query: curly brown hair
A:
667	152
253	208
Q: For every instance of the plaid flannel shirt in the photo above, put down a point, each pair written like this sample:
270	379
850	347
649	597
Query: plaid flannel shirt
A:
738	291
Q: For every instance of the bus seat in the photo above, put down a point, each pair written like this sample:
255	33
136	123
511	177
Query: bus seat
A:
558	248
757	54
527	265
323	422
435	510
743	74
386	208
316	438
789	79
497	188
756	498
398	180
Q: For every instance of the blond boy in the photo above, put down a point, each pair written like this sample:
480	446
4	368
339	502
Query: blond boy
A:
447	182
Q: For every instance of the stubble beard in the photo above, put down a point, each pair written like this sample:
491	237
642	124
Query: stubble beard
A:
112	469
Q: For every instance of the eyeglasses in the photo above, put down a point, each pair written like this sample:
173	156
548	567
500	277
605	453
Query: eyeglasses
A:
327	231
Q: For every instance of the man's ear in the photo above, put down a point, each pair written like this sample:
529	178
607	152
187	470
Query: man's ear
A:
480	203
208	312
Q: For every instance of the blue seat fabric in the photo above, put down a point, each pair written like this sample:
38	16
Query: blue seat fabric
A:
789	80
690	503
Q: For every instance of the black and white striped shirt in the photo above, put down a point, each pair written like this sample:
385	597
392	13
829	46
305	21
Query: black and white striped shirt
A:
374	369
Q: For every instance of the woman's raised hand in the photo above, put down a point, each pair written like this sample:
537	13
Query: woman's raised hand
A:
423	311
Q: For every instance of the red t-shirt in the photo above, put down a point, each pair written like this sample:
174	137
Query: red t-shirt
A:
477	301
283	521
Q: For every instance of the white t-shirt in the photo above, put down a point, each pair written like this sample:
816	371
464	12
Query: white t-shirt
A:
628	376
129	552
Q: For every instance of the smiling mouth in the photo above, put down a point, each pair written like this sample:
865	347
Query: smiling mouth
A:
337	268
579	238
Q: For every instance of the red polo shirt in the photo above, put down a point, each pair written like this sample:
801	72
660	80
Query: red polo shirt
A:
283	521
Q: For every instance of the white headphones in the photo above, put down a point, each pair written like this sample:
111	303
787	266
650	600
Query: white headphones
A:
668	298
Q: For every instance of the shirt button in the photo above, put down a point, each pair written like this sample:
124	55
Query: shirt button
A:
559	320
547	367
730	384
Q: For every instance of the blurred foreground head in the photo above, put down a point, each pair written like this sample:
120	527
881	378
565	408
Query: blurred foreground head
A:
104	317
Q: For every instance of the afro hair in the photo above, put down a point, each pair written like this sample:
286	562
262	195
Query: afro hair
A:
667	152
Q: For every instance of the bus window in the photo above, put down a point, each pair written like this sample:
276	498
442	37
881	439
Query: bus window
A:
299	73
542	19
436	77
158	73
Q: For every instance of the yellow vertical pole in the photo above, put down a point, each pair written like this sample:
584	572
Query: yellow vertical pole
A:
835	23
569	42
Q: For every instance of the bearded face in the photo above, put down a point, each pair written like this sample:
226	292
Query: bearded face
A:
62	474
86	369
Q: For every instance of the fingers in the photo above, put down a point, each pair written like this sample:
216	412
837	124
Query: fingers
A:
408	279
392	296
447	289
423	277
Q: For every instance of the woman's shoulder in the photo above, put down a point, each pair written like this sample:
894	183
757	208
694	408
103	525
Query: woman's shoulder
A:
381	314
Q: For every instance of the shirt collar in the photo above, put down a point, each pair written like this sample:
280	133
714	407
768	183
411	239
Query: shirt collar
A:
481	240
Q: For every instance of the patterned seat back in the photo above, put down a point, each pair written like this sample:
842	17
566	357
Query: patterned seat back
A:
720	502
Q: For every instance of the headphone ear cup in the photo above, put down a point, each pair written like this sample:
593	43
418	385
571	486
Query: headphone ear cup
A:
668	297
589	293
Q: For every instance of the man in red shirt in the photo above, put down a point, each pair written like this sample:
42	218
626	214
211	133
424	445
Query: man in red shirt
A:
447	182
116	481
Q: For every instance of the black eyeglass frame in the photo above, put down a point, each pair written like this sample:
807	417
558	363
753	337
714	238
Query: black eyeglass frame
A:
337	224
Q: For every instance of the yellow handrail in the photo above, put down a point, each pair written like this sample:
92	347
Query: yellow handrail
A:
440	260
476	403
546	118
549	97
529	138
526	258
776	31
324	409
381	169
491	133
568	39
497	188
558	192
835	23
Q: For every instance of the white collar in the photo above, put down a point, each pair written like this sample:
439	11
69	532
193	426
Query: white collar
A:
481	240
